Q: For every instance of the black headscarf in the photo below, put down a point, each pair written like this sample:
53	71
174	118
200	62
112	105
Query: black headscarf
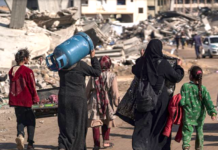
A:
152	55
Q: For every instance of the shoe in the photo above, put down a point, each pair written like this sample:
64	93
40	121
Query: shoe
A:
30	147
20	142
96	148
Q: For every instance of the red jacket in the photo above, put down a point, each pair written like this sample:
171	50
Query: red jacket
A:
175	117
22	87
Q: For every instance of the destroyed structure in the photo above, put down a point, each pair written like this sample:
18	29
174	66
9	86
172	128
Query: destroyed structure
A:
43	31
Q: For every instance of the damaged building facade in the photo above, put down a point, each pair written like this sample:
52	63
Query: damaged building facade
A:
191	6
123	10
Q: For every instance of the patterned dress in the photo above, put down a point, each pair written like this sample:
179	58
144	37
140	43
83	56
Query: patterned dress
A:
94	117
195	113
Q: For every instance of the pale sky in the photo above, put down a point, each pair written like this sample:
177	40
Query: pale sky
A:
2	3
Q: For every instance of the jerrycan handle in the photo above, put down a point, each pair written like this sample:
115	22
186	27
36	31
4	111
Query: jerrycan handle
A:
61	61
52	66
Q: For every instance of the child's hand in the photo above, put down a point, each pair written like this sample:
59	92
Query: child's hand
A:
213	117
36	103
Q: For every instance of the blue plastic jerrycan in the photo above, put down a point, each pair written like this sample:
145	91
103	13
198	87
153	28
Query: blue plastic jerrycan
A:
70	52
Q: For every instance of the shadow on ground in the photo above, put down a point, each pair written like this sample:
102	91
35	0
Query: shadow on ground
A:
121	135
210	128
4	25
12	146
212	144
130	128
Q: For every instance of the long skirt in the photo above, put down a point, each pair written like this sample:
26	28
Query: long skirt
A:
149	127
72	121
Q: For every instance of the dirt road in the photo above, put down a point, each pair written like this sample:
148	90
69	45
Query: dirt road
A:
47	129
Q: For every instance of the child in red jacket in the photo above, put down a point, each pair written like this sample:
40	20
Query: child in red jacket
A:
22	95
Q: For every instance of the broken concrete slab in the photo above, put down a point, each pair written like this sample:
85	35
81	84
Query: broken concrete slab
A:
48	20
206	24
169	14
36	42
61	35
97	36
49	5
114	54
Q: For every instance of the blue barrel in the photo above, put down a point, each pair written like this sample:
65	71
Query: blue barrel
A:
70	52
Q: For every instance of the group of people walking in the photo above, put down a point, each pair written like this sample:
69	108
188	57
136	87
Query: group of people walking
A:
82	106
195	40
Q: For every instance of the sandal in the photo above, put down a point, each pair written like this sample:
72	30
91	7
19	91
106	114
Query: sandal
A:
110	145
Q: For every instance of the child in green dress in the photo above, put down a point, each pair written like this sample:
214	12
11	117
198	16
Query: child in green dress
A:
195	98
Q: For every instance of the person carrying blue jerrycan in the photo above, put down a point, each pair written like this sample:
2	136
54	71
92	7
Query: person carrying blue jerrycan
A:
72	104
68	53
195	98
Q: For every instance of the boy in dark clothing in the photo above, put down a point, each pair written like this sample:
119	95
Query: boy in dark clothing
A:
177	37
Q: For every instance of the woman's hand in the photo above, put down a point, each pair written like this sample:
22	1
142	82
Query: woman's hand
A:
117	102
92	53
213	117
142	52
179	62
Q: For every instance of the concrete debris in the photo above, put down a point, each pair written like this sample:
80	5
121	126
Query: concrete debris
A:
4	10
44	30
169	14
53	21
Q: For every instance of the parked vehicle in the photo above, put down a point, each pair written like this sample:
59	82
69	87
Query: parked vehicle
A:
210	46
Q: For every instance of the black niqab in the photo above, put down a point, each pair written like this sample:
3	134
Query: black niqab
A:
153	53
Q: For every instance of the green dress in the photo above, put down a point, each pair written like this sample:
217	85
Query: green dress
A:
195	113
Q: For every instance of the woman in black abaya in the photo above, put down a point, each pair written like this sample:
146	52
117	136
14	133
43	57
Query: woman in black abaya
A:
149	126
72	104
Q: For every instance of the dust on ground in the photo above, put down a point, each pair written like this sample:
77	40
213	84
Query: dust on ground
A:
46	136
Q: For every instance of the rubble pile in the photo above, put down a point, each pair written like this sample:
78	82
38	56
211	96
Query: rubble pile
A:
52	21
43	31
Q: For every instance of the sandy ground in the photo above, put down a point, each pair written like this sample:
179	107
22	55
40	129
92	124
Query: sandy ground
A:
47	130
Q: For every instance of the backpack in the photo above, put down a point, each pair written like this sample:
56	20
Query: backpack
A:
146	98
